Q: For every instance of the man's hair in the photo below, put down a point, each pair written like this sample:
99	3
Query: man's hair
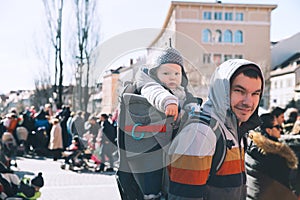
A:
105	116
277	111
250	70
267	121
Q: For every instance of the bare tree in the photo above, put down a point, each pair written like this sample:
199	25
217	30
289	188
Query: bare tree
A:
88	31
54	11
43	88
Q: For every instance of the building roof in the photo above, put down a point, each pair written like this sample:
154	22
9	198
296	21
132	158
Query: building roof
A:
285	48
288	61
287	67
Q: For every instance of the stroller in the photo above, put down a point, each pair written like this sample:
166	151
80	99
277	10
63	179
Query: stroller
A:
80	158
9	149
22	134
37	142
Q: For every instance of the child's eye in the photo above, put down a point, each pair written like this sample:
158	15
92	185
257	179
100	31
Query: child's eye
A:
165	73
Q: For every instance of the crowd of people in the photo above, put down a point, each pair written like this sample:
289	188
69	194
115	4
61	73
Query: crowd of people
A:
52	134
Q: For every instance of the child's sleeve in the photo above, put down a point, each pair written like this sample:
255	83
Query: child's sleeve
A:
158	96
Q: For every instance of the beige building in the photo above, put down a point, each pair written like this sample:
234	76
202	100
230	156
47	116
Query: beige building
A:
209	33
110	91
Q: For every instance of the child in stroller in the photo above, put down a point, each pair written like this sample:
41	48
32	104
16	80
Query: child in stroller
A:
78	157
72	151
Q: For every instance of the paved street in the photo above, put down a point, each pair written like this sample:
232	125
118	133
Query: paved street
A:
68	185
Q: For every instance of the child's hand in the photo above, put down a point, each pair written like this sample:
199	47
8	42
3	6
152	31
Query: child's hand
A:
172	110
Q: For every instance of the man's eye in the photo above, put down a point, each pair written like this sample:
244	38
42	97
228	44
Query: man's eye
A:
256	94
238	90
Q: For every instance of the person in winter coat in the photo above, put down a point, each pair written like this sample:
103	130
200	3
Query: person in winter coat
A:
108	135
77	125
56	140
269	163
234	93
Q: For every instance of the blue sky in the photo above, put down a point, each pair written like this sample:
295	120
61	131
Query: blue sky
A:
21	25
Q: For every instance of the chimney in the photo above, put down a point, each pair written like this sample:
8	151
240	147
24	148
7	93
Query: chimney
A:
131	61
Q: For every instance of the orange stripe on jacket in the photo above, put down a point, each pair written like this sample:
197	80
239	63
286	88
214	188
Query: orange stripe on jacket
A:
191	162
190	177
233	163
234	154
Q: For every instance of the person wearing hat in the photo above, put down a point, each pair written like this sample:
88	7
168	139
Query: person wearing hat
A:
30	189
37	182
164	86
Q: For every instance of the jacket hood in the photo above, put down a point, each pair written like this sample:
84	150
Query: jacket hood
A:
142	76
268	146
219	94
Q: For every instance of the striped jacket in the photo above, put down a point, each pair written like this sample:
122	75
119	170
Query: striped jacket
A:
191	152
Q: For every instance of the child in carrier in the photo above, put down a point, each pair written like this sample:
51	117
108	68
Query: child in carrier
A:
164	87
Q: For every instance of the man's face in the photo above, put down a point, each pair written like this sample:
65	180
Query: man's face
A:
244	96
170	75
275	130
280	119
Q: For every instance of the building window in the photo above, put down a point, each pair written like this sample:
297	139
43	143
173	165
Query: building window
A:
227	57
218	37
218	15
239	16
289	83
206	35
217	59
207	15
238	56
238	37
228	16
228	36
206	58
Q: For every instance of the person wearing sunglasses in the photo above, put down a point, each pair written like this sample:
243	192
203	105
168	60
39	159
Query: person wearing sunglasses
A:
269	163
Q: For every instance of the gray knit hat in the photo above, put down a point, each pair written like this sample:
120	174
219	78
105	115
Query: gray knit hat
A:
170	55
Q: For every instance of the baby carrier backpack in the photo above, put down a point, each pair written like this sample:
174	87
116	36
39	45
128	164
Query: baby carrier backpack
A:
143	131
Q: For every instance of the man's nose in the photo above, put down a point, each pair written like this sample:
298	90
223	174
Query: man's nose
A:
247	99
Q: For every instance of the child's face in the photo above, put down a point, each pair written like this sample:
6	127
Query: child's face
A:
170	75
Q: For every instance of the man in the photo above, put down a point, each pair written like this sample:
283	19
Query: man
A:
234	94
77	124
269	163
279	116
107	142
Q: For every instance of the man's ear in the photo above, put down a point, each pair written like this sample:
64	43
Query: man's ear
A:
269	131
